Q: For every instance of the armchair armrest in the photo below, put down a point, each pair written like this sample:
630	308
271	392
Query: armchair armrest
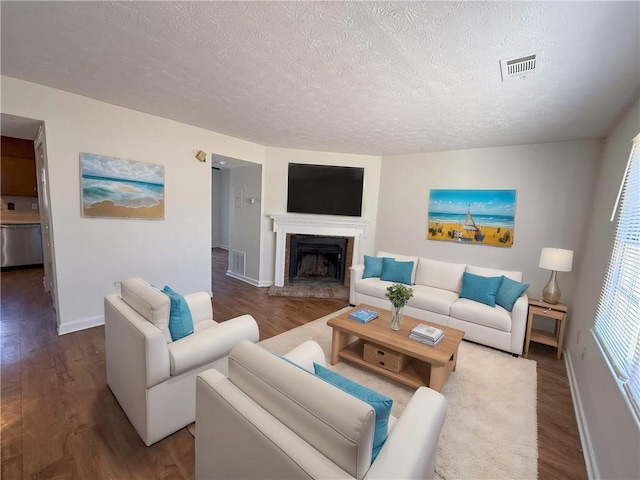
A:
306	354
199	306
210	344
129	336
410	449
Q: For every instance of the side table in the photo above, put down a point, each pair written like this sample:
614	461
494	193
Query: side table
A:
558	312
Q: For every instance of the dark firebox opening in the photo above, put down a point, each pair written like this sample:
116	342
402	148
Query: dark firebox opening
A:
317	259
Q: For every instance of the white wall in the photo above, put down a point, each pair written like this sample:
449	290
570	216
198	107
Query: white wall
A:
93	253
614	433
274	181
553	183
244	220
220	208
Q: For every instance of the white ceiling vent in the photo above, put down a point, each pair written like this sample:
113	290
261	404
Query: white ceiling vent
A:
520	67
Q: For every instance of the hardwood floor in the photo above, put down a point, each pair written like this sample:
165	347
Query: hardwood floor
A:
59	419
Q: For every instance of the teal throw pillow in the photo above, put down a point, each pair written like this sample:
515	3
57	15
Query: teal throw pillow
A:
180	319
394	271
480	289
381	404
372	266
509	292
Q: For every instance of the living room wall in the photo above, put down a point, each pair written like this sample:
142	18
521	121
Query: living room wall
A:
553	183
611	430
274	187
93	253
244	219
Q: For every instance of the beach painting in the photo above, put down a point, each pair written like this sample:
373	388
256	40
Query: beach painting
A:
113	187
482	217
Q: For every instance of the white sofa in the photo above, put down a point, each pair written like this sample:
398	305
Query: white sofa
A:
271	419
436	287
152	377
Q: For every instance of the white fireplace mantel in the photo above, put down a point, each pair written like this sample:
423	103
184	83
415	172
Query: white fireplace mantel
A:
315	225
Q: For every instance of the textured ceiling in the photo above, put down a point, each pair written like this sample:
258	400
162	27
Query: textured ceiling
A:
355	77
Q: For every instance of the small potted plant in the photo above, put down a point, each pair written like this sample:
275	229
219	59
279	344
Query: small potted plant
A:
398	295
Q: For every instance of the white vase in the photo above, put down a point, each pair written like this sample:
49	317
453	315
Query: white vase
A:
396	317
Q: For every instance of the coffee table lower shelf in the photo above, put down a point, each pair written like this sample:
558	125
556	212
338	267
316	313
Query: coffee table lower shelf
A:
415	374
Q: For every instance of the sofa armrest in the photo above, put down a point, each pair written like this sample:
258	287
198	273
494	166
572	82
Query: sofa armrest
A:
199	306
211	344
519	315
410	449
306	354
356	275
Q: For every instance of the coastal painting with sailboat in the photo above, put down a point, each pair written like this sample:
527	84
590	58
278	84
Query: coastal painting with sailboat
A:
484	217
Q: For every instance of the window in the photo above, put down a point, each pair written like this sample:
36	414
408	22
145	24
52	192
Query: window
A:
617	326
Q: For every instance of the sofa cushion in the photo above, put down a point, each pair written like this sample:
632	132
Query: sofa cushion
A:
480	289
372	267
509	292
180	320
380	403
373	287
481	314
394	271
492	272
446	275
149	302
402	258
432	299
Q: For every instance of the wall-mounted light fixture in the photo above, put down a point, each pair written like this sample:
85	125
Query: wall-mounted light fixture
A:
202	156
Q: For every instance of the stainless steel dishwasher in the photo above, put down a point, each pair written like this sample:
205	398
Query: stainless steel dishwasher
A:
21	244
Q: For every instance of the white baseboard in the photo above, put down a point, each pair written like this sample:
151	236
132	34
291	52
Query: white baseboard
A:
585	438
250	281
81	324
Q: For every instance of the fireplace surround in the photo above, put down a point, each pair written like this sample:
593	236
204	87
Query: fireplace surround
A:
315	225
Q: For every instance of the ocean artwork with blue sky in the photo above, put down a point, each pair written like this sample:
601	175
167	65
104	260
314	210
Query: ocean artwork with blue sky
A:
114	187
484	217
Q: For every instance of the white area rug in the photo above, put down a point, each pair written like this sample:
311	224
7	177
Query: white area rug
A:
490	431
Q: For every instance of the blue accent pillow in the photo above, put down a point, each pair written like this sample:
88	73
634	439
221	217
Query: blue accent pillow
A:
509	292
180	319
394	271
480	289
381	404
372	266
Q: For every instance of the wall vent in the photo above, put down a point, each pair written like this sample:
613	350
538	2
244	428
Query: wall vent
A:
520	67
237	262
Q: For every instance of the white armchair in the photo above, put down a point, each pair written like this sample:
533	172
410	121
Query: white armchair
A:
270	419
152	377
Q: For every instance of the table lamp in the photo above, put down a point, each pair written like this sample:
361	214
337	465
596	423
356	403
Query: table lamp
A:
556	260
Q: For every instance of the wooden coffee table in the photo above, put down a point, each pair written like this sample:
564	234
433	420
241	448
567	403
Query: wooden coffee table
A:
428	366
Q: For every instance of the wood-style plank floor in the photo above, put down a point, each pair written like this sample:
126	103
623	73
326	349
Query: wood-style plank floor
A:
59	419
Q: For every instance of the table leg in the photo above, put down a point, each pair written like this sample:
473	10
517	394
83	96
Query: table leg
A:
338	342
437	378
528	336
455	359
560	324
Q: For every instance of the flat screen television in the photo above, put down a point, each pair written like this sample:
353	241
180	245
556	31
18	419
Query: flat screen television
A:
325	189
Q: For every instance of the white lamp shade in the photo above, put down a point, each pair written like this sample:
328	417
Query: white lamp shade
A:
557	259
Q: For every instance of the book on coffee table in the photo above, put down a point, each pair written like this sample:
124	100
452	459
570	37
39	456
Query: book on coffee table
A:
427	334
363	315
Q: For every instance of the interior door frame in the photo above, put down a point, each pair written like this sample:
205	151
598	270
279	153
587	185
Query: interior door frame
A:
46	226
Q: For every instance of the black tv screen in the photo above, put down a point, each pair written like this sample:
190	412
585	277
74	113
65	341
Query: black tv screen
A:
325	189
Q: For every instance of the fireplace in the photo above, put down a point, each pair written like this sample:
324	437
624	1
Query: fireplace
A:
286	226
317	259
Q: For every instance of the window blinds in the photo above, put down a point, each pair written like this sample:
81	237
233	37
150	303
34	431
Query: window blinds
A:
617	325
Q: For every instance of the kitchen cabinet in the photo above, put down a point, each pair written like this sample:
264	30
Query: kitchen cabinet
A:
17	168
